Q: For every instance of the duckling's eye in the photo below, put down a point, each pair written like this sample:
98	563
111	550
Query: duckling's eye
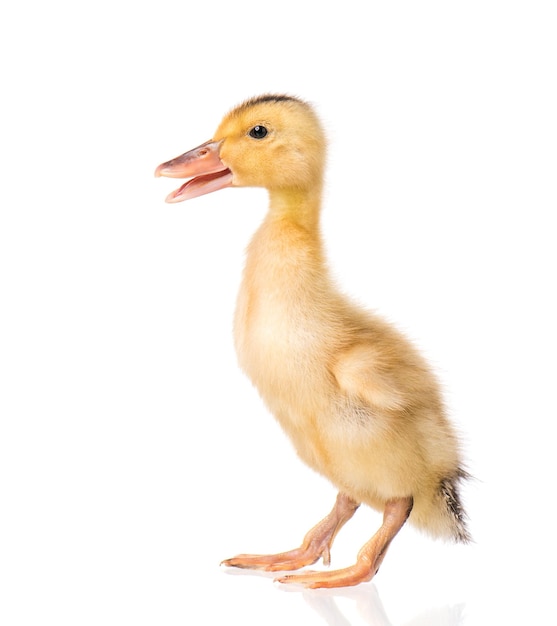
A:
258	132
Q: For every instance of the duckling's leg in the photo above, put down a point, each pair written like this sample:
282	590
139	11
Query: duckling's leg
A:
317	543
369	558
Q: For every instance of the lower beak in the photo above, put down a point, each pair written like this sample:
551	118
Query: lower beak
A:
202	166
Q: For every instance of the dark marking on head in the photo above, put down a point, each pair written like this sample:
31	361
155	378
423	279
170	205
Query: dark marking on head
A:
269	98
273	97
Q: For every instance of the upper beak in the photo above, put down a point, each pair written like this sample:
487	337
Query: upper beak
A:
204	165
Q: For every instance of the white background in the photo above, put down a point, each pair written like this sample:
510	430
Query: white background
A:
134	455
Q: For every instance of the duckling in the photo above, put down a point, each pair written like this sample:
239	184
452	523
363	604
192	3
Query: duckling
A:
359	403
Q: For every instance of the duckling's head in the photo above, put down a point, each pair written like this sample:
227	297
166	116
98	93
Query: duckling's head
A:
272	141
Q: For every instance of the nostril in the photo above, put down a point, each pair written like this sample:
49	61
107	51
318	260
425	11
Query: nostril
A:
203	152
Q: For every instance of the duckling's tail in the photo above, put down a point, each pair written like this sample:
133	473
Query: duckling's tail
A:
439	512
450	494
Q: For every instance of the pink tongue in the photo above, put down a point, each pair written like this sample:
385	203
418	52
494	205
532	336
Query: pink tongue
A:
200	185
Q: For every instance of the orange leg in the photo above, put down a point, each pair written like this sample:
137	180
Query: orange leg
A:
317	543
369	558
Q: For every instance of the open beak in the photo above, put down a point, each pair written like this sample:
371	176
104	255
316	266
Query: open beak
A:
202	166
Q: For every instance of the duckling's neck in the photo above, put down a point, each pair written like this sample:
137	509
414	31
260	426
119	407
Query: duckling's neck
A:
299	206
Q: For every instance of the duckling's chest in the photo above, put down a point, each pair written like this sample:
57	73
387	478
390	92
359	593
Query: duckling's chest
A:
277	337
281	324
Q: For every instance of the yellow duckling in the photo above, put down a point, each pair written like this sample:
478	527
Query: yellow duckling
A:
358	402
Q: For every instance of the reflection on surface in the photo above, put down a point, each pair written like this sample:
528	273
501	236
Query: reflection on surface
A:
371	609
365	598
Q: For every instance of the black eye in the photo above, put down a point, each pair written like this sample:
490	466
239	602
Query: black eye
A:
258	132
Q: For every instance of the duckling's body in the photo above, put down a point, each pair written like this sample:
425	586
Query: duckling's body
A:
340	381
358	402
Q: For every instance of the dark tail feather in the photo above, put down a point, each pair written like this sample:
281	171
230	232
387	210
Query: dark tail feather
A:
449	491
